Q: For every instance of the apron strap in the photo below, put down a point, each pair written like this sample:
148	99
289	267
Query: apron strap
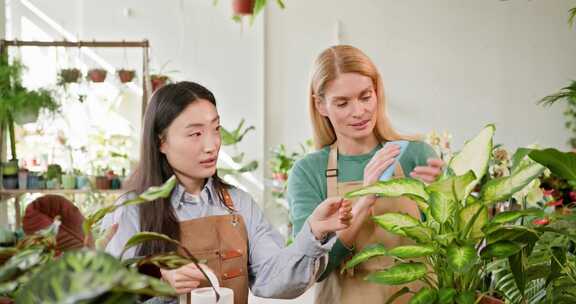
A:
332	172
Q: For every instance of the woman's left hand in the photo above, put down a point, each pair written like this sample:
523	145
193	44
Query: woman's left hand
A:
430	173
332	215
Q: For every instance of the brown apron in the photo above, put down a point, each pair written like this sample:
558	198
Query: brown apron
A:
221	241
350	287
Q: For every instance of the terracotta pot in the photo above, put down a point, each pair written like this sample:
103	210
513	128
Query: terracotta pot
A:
243	7
490	300
102	183
158	81
126	75
281	177
69	75
97	75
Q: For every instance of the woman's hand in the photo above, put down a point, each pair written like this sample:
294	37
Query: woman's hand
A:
430	173
185	278
332	215
379	163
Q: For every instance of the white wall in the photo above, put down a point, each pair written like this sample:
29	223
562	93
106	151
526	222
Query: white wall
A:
447	64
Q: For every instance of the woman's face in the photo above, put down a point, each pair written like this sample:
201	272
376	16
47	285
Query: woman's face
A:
192	141
350	103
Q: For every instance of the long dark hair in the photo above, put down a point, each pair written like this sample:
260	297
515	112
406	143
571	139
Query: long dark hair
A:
153	168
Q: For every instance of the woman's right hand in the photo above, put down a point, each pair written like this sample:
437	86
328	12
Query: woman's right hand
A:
185	278
379	163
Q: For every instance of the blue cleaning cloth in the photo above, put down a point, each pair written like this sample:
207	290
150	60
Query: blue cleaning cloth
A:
390	171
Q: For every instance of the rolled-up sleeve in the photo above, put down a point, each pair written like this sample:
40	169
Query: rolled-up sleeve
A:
277	271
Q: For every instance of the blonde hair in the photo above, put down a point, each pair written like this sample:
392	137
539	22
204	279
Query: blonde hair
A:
332	62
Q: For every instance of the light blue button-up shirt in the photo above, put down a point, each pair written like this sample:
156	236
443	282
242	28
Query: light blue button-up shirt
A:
275	271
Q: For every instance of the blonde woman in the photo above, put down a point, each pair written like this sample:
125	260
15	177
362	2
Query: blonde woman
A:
351	128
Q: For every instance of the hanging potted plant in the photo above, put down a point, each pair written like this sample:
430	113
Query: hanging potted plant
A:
243	7
66	76
97	75
19	105
126	76
158	81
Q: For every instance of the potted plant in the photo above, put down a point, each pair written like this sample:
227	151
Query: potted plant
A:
232	138
66	76
455	240
158	81
53	176
281	164
97	75
126	76
250	7
19	105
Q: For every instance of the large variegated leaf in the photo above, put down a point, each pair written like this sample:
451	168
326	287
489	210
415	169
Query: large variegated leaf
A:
399	274
83	276
425	295
501	189
461	258
442	206
501	249
510	216
475	156
446	295
472	219
562	164
419	233
367	253
394	222
411	251
520	234
408	187
404	290
453	186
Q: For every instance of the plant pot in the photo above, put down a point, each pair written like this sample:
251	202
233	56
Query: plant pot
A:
126	75
102	183
279	176
69	76
25	116
10	181
158	81
23	179
243	7
68	181
490	300
82	182
35	181
97	75
52	184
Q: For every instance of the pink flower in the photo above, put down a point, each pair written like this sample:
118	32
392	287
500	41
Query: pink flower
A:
555	203
541	222
573	196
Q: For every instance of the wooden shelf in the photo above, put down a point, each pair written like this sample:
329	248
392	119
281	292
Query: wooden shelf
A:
58	191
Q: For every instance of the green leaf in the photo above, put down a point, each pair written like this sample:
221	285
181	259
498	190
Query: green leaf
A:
446	295
418	233
399	274
471	220
475	156
445	239
510	216
453	186
146	236
393	188
367	253
251	166
557	261
394	222
426	295
404	290
520	234
519	156
170	260
466	297
562	164
517	265
501	249
411	251
442	207
461	258
501	189
83	276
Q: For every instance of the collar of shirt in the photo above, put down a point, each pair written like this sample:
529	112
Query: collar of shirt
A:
180	196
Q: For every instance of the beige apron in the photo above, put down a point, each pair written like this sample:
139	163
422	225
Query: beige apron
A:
350	287
222	241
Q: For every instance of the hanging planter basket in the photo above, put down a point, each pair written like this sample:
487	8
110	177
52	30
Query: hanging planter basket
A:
158	81
243	7
97	75
69	76
126	76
